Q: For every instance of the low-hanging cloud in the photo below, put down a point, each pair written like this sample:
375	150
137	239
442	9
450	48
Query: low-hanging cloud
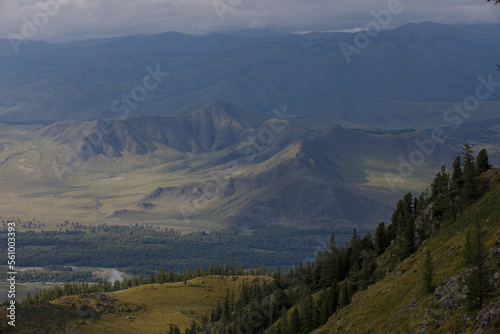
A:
75	19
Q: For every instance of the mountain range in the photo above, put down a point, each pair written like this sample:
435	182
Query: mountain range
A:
404	77
217	166
224	130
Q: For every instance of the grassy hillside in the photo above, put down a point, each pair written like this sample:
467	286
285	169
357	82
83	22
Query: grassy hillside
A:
398	304
148	308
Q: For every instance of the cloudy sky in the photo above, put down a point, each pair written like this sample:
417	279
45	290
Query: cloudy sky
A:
58	20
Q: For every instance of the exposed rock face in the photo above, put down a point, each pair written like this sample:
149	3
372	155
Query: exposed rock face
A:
488	317
451	294
124	212
145	205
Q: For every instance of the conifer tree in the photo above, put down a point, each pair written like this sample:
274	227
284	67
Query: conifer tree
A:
482	162
409	238
380	239
470	186
284	326
355	243
476	279
456	188
408	206
28	300
441	209
334	299
294	322
339	267
306	309
366	273
367	242
344	295
324	307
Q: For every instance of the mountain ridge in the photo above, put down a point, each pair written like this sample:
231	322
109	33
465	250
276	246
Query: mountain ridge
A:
308	75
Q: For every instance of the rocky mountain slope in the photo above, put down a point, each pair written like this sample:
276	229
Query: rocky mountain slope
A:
228	166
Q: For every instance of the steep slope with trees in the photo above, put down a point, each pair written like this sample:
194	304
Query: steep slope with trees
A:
448	281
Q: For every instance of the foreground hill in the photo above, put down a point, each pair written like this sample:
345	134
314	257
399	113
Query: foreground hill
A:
398	303
149	308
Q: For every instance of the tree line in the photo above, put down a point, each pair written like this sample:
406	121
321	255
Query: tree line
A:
139	250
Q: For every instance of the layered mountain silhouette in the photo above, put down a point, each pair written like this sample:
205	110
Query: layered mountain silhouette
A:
242	169
404	77
177	153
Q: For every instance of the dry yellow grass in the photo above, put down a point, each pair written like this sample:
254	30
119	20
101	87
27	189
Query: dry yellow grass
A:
162	305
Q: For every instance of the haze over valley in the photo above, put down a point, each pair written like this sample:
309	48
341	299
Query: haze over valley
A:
223	167
238	131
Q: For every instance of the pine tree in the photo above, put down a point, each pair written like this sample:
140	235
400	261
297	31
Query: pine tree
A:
334	299
456	187
344	295
457	175
244	299
355	243
428	273
216	313
366	274
294	322
306	309
482	162
28	300
226	310
407	206
367	242
441	209
380	239
316	319
409	239
476	280
284	326
339	268
470	173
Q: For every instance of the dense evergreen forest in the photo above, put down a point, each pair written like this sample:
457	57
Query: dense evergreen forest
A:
138	249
